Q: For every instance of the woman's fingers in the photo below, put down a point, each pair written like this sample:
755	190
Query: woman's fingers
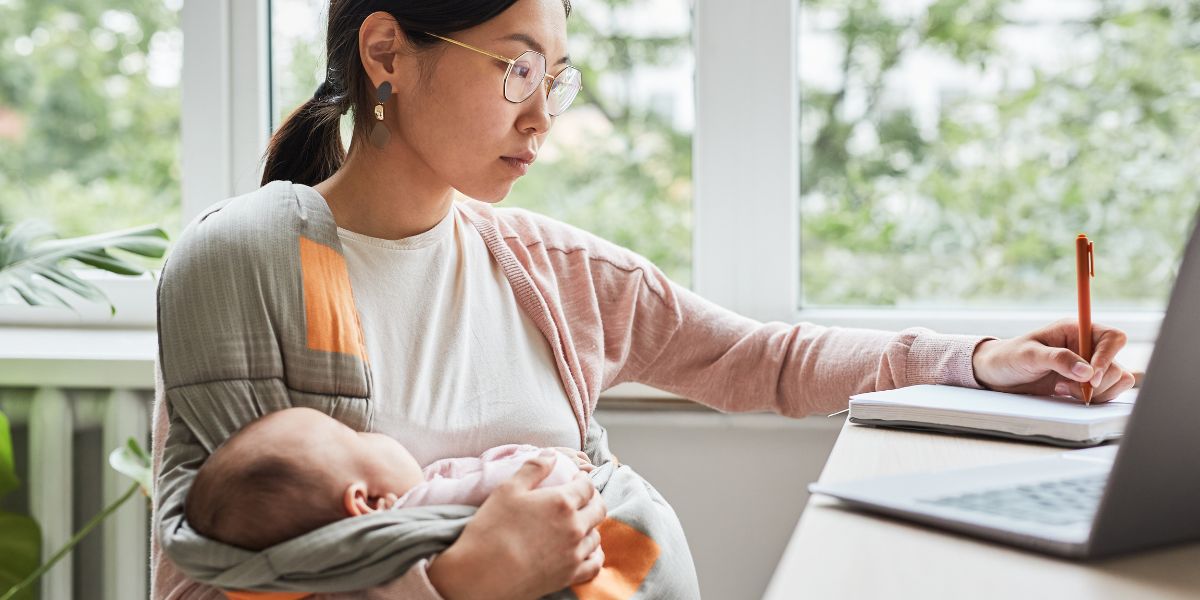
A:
1106	378
1114	382
1062	361
1066	387
582	489
588	546
590	567
1106	342
594	512
1121	381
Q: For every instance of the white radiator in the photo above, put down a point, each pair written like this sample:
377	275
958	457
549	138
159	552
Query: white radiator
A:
52	419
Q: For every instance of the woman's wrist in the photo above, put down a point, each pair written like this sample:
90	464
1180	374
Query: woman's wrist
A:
448	573
980	361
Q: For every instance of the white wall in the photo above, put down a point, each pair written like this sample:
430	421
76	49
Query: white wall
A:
737	483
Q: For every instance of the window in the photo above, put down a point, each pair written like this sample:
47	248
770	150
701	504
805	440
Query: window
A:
876	163
89	114
618	163
297	54
952	150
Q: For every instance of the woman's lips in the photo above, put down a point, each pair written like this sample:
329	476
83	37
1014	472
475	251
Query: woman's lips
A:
519	166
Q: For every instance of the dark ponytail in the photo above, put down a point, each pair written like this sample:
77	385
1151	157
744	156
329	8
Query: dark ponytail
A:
307	147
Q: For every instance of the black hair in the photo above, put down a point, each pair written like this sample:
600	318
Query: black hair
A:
307	147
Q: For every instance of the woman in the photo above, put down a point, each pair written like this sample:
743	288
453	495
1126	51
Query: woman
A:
485	326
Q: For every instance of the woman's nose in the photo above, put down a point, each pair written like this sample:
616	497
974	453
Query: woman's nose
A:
534	118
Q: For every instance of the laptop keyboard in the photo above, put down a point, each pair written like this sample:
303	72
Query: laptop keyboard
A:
1059	502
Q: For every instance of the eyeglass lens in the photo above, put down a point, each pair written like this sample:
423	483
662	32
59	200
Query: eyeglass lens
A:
527	73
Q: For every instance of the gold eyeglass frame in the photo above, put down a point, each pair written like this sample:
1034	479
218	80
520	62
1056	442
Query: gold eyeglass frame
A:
512	62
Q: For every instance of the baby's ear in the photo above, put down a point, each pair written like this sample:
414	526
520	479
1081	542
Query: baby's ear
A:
354	499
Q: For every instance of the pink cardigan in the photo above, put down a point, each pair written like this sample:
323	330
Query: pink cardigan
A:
611	316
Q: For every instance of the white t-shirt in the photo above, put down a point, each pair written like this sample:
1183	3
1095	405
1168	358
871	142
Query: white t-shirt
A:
457	366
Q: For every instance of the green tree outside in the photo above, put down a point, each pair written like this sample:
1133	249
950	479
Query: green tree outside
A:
89	114
983	209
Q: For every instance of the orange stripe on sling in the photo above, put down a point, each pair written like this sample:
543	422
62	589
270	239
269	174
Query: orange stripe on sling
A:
247	595
628	557
330	316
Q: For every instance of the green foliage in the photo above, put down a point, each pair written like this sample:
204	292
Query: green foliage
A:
133	462
8	471
20	537
28	259
89	138
983	207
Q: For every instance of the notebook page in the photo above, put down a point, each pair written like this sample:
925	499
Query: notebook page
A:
999	404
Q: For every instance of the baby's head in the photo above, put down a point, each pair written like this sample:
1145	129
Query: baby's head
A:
291	472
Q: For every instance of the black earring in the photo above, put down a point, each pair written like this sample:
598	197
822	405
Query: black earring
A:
379	132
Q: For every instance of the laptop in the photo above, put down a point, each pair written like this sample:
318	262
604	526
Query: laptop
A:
1093	503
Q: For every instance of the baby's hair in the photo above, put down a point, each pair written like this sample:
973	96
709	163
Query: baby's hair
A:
254	497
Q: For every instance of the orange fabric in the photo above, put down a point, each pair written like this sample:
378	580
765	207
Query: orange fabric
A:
330	315
244	595
628	557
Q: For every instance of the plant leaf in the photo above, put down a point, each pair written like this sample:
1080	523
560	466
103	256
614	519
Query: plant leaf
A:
103	260
137	449
69	280
28	250
130	460
20	552
8	473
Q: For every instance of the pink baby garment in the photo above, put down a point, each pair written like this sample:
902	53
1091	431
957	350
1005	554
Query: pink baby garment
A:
470	480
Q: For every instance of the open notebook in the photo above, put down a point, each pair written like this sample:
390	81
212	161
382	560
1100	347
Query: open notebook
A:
1057	421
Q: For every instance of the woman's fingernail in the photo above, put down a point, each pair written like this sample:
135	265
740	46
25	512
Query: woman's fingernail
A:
1097	378
1081	369
1061	389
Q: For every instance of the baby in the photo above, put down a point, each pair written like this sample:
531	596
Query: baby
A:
298	469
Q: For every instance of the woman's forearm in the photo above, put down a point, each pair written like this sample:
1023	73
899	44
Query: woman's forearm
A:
462	573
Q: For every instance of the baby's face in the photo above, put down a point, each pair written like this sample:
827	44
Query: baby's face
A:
349	456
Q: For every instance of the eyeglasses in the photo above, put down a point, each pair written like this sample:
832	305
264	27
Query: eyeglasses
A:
526	72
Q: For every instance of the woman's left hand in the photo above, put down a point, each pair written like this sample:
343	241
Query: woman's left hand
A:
1045	362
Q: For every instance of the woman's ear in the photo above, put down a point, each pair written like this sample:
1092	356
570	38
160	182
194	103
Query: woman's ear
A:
380	46
356	499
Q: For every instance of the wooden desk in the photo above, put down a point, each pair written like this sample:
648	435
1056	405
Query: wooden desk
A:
836	553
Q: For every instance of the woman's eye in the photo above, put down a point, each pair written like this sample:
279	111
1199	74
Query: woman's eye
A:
521	70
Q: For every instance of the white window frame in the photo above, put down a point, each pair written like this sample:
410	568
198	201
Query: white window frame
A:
746	223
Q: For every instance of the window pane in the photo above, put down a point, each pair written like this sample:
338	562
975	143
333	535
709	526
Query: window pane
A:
89	114
618	163
297	53
952	149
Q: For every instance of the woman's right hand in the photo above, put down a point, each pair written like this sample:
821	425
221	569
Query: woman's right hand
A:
525	542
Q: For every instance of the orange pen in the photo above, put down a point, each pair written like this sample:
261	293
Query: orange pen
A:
1085	269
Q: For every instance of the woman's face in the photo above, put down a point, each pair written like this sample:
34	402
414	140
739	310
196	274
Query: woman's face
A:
461	125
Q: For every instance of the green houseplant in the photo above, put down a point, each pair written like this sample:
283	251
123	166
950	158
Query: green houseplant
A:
32	260
33	264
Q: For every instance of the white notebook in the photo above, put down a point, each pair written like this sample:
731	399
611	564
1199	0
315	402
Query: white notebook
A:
1057	421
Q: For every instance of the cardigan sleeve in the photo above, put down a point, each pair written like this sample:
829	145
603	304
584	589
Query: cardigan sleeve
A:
667	336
